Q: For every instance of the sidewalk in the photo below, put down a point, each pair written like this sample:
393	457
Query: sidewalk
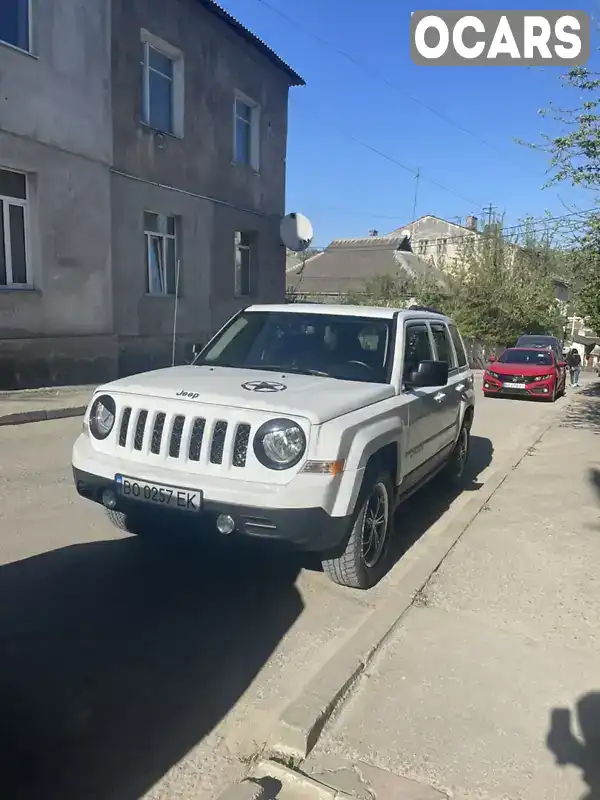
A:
35	405
496	666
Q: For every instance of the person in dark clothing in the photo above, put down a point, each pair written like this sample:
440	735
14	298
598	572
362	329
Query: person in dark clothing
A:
574	365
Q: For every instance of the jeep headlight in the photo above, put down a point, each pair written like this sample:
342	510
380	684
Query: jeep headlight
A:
102	416
279	444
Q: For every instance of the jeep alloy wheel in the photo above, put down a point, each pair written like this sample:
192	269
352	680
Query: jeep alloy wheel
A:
461	453
375	524
363	561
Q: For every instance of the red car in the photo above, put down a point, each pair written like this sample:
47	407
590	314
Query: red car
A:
525	372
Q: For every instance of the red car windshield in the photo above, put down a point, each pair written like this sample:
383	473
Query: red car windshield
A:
532	358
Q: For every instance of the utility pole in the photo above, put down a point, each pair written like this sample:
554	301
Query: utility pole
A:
489	210
414	214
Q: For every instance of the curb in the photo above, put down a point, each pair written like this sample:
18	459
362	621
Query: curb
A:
23	417
302	721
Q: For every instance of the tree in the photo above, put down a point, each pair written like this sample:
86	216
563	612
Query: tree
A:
575	152
383	290
585	266
499	288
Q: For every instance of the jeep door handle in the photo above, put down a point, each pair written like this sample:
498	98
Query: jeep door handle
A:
439	397
460	387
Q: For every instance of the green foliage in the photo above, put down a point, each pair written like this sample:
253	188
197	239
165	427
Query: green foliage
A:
575	152
383	290
498	290
585	266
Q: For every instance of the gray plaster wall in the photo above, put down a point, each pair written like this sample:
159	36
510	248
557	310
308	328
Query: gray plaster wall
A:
217	63
193	177
55	125
61	95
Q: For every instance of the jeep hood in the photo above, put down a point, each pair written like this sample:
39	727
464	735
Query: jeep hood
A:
316	398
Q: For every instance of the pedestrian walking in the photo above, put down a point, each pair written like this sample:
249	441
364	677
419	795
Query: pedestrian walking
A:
574	365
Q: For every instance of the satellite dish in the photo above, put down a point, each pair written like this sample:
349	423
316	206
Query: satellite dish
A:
296	232
406	232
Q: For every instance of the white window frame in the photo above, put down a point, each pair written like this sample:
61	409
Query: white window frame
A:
24	204
29	48
149	40
254	130
238	249
164	236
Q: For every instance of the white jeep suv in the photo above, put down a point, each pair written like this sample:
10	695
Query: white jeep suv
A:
303	423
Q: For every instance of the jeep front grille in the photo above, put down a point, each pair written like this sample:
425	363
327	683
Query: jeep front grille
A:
170	435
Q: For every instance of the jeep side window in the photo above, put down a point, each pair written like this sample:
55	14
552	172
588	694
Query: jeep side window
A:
458	346
443	345
417	347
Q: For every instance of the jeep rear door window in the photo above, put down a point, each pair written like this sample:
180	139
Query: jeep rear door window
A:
417	347
458	346
331	345
443	344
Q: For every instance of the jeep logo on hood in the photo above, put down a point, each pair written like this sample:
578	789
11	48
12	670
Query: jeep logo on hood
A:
190	395
264	386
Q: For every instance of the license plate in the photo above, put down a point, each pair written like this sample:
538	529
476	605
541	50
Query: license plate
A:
159	494
515	386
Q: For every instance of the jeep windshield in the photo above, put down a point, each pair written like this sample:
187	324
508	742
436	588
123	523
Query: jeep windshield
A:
331	345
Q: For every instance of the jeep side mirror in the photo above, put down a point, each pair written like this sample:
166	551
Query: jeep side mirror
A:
430	373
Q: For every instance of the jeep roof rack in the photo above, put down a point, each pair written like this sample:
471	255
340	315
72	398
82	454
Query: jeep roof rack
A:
431	310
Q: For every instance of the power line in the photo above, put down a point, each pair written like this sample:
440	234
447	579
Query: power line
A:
372	71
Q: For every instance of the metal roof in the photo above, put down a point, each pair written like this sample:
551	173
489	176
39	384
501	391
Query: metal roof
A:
245	33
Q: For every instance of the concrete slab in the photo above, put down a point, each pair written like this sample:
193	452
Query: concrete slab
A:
488	688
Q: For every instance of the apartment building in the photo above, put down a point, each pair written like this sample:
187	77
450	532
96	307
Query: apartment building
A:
142	171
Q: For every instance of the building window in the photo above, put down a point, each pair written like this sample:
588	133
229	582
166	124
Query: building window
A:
162	85
423	244
246	132
14	23
161	253
442	245
13	229
244	251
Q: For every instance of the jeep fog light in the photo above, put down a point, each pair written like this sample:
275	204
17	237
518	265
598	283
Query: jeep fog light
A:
102	416
279	444
225	524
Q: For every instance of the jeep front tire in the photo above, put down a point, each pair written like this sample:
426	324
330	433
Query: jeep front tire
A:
364	559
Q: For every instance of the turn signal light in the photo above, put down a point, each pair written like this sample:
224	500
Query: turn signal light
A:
324	467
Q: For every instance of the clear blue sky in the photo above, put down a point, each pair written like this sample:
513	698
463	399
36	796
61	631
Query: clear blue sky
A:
346	188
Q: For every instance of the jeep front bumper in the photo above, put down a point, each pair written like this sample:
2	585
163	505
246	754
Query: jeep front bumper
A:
310	529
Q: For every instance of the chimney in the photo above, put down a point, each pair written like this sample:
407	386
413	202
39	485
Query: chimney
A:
471	223
373	232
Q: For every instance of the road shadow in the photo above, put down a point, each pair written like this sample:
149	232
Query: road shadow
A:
118	657
580	750
584	411
415	516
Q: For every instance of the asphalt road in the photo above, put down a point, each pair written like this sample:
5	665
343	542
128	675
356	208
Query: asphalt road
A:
129	669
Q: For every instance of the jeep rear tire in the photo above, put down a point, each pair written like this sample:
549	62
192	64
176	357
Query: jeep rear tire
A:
454	471
364	559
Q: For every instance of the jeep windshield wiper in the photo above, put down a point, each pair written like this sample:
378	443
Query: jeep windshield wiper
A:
293	370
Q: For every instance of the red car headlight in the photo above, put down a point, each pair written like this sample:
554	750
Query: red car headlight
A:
544	377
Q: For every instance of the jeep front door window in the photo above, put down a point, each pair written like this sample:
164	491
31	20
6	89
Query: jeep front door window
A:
448	407
417	348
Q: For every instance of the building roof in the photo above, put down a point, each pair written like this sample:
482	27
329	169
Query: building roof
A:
347	264
397	231
245	33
